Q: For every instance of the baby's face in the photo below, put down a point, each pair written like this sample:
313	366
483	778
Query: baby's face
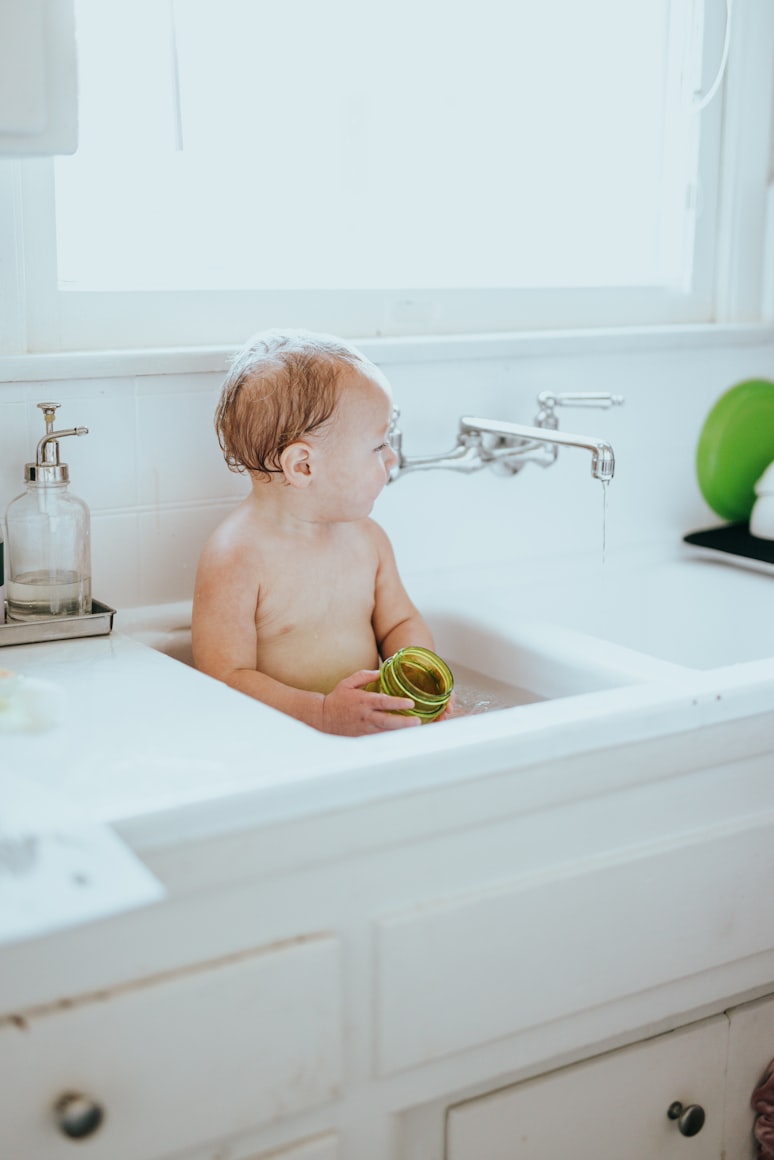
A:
357	458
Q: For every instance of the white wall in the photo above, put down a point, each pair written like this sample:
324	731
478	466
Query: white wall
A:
152	472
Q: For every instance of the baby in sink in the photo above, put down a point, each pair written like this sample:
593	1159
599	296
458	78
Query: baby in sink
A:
297	592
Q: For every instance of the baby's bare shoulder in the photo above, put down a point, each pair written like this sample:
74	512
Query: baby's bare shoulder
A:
379	541
236	543
364	540
374	533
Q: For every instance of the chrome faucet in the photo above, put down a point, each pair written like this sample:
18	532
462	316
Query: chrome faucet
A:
506	446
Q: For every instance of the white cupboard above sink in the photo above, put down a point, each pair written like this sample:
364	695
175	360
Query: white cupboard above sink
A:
38	78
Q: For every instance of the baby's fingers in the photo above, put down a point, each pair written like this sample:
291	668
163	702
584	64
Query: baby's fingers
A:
383	701
387	704
389	720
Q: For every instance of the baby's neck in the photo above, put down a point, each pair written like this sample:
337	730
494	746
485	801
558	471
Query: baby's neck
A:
285	509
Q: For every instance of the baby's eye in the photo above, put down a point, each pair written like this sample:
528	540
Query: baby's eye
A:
382	446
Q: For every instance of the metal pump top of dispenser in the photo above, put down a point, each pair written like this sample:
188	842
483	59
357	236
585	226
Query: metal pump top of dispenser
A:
47	468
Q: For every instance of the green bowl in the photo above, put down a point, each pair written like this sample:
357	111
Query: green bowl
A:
735	447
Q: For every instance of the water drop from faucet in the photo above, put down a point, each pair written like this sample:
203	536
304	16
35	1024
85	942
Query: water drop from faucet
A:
605	483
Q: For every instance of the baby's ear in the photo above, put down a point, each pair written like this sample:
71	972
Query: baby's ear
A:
295	462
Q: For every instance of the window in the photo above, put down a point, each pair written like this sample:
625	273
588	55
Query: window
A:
377	168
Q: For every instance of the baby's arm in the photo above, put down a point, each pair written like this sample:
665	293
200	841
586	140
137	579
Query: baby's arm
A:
225	647
397	622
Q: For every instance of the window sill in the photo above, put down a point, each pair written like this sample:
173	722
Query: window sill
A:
392	351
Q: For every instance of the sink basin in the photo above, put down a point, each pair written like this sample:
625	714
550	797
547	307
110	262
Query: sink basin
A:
693	612
497	663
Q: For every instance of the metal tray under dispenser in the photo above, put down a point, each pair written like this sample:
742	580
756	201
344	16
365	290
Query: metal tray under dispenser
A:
98	622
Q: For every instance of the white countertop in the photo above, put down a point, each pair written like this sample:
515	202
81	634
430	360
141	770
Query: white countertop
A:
168	753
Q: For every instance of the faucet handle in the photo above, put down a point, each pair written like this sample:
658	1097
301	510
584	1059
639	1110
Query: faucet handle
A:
547	401
394	431
395	440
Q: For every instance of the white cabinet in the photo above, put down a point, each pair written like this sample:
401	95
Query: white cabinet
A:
607	1108
179	1062
459	973
616	1105
38	77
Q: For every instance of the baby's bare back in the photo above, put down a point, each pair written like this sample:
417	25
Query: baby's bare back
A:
314	610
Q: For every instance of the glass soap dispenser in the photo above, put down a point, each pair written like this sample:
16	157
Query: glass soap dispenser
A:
48	549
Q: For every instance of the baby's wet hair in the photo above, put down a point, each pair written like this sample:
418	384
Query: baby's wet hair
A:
282	385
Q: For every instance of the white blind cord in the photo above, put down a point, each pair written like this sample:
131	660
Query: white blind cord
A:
700	102
174	70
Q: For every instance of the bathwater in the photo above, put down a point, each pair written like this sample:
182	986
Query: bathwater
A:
605	483
476	693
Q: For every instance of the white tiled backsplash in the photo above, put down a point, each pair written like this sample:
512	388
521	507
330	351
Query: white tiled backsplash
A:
154	477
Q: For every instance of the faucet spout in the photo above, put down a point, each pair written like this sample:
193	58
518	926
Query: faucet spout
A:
539	444
505	447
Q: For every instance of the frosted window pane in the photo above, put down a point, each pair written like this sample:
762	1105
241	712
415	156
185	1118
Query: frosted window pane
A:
402	144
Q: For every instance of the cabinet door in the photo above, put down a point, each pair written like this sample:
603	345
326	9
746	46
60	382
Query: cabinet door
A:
750	1050
163	1067
613	1107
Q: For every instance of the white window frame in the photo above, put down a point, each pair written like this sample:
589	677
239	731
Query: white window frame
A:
734	170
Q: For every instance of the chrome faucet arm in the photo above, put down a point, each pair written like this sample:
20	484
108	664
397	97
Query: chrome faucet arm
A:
469	425
602	457
506	447
465	457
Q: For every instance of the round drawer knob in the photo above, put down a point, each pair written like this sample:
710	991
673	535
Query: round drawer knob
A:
690	1120
78	1115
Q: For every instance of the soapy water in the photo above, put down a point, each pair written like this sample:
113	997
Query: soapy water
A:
476	693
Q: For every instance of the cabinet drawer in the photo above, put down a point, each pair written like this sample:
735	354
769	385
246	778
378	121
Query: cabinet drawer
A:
464	971
614	1105
179	1061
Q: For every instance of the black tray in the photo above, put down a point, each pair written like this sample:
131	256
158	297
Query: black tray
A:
734	543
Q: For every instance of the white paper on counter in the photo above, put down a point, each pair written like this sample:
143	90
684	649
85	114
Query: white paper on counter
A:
58	870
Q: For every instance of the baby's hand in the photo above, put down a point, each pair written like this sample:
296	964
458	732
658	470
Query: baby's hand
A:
452	710
352	711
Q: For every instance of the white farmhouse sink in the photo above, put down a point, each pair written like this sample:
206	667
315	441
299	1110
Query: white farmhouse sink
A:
497	663
689	611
